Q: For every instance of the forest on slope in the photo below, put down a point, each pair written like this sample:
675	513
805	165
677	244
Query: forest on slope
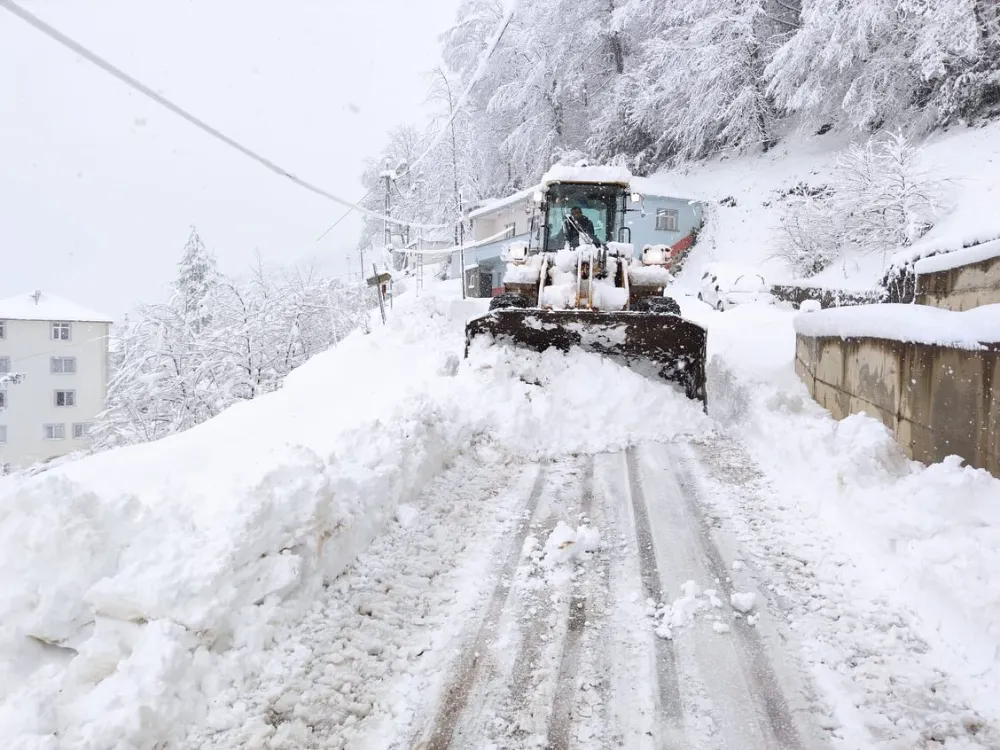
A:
652	83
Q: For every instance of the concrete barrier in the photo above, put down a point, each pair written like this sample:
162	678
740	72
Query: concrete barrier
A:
937	400
960	280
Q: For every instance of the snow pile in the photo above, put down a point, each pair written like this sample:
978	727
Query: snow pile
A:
911	323
177	550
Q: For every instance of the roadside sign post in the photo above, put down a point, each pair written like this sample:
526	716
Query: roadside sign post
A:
379	280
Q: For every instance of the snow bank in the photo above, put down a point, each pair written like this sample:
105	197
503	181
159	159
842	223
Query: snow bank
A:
146	564
911	323
925	538
958	258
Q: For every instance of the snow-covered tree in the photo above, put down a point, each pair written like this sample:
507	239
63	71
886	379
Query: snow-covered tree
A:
196	277
887	62
878	200
169	374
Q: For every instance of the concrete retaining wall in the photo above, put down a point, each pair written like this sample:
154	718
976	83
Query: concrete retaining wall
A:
937	401
961	288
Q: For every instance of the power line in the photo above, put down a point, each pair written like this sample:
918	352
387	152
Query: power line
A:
477	74
346	213
92	57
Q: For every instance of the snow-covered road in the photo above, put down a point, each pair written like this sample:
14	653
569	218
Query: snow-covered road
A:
514	550
591	601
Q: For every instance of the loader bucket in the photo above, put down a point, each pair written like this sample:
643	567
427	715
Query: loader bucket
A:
675	346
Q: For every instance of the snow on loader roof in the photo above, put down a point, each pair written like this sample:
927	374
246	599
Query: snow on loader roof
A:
594	174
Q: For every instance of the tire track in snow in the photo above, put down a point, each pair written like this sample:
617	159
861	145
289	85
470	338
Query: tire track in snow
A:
746	706
560	723
668	680
456	695
523	686
761	679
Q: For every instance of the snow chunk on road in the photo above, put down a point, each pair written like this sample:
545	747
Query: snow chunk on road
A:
568	545
743	602
685	609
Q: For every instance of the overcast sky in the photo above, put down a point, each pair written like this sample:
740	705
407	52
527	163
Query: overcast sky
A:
99	185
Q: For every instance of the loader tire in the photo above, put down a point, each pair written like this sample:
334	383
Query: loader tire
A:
662	305
509	300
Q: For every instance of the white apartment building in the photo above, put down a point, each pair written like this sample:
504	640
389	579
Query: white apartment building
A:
53	376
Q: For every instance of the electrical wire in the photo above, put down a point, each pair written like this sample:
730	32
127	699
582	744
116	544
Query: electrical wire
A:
92	57
477	74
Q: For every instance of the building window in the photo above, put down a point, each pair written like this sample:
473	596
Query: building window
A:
3	433
55	432
65	398
3	329
509	230
81	430
4	365
666	219
62	365
60	331
3	399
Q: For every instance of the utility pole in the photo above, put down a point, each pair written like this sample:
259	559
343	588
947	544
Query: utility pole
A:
461	241
460	230
387	227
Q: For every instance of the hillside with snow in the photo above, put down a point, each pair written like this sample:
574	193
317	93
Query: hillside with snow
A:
748	197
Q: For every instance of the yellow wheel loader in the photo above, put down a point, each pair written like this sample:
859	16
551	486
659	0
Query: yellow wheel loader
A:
583	285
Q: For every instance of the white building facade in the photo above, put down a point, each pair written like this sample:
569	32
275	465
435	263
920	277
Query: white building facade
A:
53	377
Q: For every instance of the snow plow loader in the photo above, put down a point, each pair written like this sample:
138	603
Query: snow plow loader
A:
581	285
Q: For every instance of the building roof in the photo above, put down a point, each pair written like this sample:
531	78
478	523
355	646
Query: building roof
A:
40	305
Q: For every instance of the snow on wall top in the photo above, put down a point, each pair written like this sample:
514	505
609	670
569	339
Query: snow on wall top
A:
917	324
563	173
48	307
958	258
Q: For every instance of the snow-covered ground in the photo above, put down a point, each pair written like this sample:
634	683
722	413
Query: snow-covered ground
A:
371	552
745	229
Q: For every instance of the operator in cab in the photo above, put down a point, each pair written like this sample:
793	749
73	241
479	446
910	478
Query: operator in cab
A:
577	224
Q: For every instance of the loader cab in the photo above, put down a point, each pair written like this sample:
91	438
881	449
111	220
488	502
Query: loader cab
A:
603	203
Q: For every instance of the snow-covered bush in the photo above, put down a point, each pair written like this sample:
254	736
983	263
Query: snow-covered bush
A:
878	200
